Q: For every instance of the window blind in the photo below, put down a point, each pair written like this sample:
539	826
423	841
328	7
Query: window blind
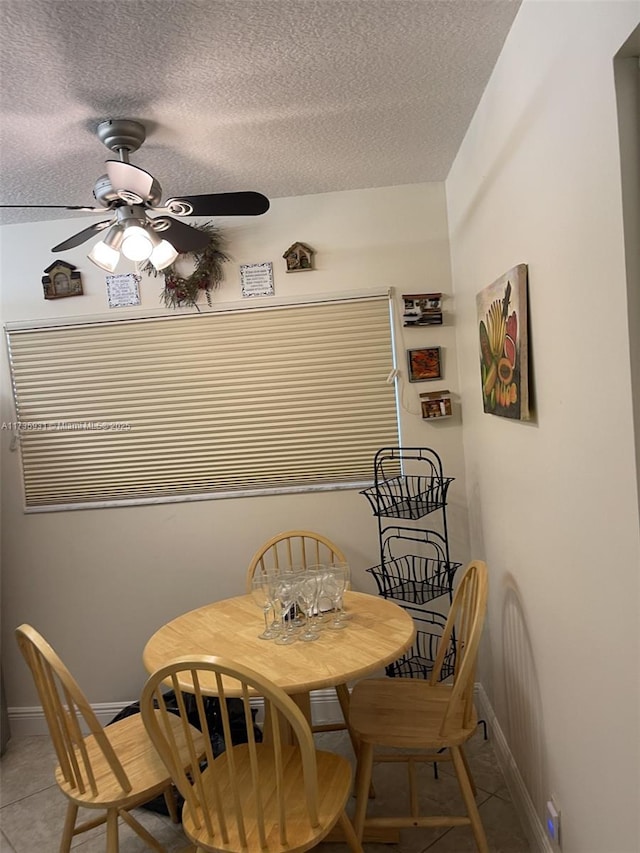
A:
204	405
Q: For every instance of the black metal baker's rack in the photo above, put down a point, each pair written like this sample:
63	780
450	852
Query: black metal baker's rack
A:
415	567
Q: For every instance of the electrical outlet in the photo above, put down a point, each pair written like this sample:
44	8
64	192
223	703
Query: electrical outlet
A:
553	822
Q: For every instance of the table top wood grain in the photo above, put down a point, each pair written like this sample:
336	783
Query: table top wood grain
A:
377	633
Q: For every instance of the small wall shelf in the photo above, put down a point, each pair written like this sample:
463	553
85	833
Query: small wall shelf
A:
422	309
436	404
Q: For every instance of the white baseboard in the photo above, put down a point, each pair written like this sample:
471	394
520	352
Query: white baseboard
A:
27	721
531	823
24	722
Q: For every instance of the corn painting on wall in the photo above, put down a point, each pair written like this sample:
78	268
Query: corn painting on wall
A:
504	359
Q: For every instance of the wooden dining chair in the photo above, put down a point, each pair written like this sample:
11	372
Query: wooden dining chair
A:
434	717
291	549
304	548
263	796
114	769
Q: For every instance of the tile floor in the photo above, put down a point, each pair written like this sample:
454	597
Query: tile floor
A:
32	808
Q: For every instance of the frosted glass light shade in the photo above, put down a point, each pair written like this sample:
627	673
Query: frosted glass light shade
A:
104	256
163	255
136	245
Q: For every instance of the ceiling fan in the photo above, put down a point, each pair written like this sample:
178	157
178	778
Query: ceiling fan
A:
131	194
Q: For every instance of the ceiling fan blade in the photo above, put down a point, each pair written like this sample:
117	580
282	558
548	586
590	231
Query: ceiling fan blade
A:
59	207
183	237
127	178
220	204
81	236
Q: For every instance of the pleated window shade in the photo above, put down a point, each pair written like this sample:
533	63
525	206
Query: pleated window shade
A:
211	405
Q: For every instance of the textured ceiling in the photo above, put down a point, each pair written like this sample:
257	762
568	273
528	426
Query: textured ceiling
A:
287	97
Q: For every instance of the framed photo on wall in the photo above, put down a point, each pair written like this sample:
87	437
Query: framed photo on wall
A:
424	364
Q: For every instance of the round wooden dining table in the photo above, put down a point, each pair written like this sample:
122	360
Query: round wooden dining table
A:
377	633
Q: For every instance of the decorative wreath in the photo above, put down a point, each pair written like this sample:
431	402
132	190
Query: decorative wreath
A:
184	291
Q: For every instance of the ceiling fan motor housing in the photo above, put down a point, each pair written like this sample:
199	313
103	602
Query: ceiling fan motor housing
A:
105	195
103	192
121	134
131	214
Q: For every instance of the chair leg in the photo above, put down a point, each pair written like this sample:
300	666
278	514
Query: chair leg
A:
344	698
469	774
413	787
140	830
112	831
363	783
469	800
172	806
349	833
69	826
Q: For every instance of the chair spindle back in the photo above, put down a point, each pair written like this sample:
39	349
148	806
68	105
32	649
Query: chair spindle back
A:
239	796
466	618
67	713
294	548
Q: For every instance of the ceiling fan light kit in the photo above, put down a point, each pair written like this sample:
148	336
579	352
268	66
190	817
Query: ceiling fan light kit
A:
163	255
105	256
131	194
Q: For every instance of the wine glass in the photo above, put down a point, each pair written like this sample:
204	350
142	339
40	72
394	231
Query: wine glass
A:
346	570
318	613
333	586
307	586
296	617
285	592
261	594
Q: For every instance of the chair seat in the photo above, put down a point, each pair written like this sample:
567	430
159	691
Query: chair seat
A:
146	772
407	712
334	788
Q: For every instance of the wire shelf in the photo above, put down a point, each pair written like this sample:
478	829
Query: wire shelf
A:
415	565
408	483
414	579
407	496
418	661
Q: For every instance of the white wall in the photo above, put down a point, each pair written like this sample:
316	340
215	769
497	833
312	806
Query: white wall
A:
553	504
97	583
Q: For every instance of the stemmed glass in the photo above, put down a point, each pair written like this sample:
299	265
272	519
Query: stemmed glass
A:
307	596
285	591
295	619
317	618
346	570
324	604
333	585
261	593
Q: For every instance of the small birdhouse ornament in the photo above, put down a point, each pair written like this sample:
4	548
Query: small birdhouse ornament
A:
61	279
299	257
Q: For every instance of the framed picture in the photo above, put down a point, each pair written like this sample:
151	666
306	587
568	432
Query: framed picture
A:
504	346
424	364
256	279
123	290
